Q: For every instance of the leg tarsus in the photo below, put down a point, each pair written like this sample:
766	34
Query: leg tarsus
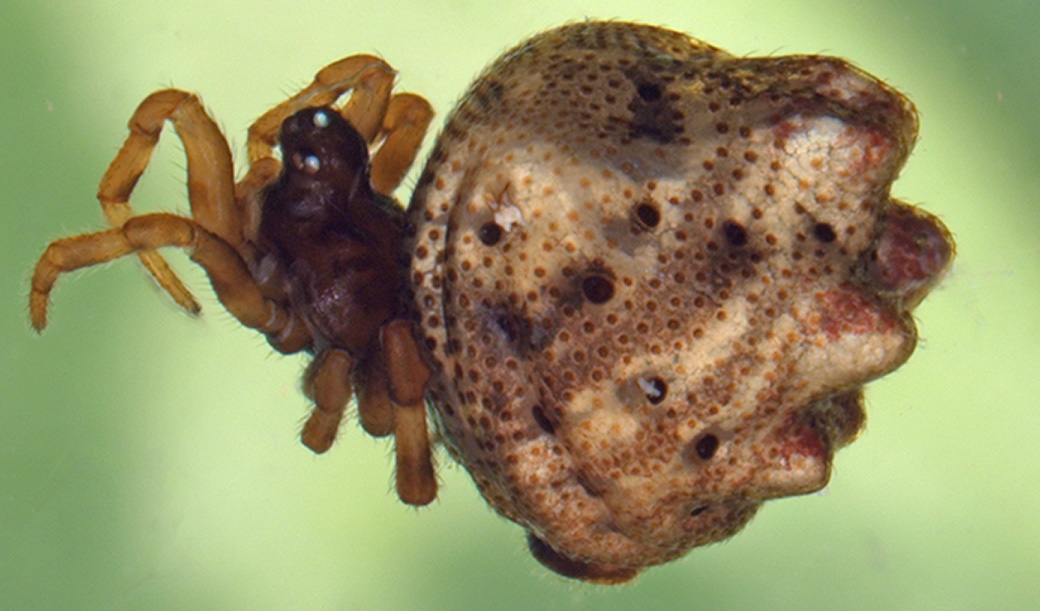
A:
407	118
228	273
375	409
408	374
368	103
405	367
210	177
416	481
327	383
331	82
168	281
67	255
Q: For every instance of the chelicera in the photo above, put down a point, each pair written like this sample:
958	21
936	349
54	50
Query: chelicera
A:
307	250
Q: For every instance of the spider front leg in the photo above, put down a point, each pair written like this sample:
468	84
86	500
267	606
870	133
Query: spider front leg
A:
399	121
371	80
210	176
210	188
228	273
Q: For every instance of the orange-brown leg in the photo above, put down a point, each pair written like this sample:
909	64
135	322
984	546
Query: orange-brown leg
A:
327	383
371	80
408	374
210	176
407	118
375	409
229	275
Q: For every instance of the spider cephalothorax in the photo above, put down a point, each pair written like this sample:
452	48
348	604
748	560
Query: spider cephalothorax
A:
310	254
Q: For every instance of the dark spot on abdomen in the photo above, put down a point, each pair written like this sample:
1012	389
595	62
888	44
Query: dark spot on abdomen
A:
654	114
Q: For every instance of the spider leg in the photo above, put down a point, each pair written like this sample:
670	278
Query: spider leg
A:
404	125
210	177
327	383
371	80
375	409
367	104
408	374
228	273
248	195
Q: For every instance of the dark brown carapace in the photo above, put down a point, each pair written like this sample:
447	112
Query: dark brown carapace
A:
338	240
309	253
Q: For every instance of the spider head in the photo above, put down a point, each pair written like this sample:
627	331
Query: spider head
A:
325	164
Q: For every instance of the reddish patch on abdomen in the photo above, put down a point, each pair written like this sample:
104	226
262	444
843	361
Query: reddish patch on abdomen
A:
797	436
876	147
912	253
843	312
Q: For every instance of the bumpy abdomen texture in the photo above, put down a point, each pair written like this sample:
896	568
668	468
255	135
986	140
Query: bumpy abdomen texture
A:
655	276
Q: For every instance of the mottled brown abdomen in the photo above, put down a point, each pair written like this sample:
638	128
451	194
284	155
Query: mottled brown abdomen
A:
649	273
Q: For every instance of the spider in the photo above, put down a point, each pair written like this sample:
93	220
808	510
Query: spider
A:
307	250
641	282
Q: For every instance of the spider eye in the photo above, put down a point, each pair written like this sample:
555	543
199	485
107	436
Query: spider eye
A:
306	162
321	119
311	164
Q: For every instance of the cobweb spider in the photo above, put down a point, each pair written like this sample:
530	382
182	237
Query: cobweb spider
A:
307	250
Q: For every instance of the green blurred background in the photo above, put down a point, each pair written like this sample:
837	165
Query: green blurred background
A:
149	460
